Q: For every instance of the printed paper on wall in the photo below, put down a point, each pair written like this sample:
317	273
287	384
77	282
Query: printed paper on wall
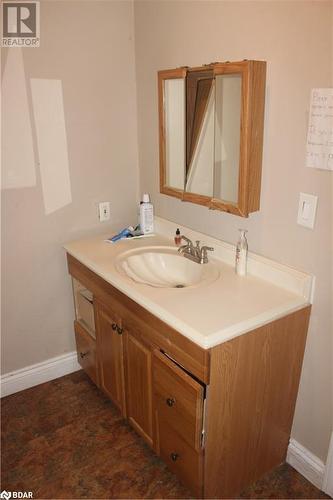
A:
319	151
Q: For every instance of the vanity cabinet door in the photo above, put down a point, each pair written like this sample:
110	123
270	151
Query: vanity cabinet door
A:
178	420
86	351
181	458
139	386
110	354
178	399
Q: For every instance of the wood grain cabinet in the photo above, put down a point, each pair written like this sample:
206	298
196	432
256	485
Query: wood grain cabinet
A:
110	355
139	386
178	412
220	418
84	327
178	400
86	351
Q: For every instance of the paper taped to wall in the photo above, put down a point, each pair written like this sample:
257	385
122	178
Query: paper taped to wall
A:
319	148
49	113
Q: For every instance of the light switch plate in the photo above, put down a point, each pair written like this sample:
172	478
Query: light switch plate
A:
307	208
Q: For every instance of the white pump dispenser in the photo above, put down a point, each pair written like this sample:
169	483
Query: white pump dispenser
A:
241	253
146	215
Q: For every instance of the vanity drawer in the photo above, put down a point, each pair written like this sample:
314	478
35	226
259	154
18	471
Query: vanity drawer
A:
86	351
181	458
178	399
86	310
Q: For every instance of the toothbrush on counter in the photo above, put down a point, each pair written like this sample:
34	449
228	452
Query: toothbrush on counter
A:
139	236
128	233
123	234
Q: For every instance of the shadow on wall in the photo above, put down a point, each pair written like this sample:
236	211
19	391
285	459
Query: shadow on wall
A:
49	126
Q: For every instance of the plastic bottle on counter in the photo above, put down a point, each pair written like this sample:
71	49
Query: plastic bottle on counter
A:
241	254
146	215
178	237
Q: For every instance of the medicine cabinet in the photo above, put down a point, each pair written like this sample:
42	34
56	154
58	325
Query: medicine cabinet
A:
211	134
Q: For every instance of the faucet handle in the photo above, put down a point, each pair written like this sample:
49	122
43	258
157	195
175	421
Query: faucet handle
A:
188	245
188	241
204	250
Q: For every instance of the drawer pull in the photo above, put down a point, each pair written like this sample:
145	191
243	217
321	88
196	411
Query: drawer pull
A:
119	330
174	456
114	326
84	354
170	401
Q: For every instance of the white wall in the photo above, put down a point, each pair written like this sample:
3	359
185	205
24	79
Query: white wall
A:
295	38
89	47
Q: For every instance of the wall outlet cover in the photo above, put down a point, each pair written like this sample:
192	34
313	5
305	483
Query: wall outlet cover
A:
104	211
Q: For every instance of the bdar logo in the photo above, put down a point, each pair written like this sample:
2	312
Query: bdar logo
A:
5	494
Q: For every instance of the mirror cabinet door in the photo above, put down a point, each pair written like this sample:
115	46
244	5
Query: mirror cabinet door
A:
211	132
174	110
228	99
172	129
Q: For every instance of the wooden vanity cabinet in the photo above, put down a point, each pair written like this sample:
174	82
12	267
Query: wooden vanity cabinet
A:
110	355
139	385
220	417
178	404
86	351
85	332
178	400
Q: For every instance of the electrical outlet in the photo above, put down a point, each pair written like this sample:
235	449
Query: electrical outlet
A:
104	211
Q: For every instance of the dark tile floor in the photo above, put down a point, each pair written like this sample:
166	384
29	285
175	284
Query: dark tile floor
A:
64	439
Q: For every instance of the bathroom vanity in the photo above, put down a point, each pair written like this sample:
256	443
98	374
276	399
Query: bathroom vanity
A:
207	374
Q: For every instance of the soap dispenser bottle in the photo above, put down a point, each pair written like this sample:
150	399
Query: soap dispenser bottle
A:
146	215
178	237
241	253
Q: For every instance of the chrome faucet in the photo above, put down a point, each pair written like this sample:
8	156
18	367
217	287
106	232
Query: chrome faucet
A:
188	248
196	253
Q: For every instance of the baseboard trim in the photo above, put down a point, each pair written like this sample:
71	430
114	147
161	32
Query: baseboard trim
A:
306	463
39	373
328	476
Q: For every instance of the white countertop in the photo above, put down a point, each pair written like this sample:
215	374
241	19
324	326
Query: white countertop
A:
212	313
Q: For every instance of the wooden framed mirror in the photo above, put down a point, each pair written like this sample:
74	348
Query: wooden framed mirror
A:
211	134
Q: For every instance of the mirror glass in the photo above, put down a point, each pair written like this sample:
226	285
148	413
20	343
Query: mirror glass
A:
200	168
174	113
228	94
202	134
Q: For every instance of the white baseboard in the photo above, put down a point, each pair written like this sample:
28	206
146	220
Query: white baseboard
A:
306	463
328	476
39	373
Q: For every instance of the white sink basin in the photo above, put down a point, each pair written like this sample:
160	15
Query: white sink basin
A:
164	267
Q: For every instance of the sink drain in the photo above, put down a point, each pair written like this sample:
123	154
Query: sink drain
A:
179	286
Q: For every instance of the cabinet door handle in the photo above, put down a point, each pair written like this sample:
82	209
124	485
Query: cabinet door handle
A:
170	401
174	456
119	330
84	354
114	326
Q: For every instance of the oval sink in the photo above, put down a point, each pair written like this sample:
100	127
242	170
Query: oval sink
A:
164	267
